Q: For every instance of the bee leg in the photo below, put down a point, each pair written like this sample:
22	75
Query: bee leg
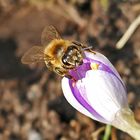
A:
62	73
59	71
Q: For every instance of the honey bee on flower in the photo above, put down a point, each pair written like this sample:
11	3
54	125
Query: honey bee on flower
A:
90	82
81	69
59	55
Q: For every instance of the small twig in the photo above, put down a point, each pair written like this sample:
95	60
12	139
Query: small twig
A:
73	14
113	134
128	33
97	132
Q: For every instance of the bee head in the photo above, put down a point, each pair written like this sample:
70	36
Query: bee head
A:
73	57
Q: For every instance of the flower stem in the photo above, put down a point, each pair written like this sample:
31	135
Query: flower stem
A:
125	121
107	132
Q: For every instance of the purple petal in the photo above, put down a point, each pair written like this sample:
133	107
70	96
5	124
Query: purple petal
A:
82	100
78	100
72	100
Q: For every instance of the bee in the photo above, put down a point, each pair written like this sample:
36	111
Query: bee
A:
58	54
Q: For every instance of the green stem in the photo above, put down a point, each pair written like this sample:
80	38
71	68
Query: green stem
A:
125	121
107	132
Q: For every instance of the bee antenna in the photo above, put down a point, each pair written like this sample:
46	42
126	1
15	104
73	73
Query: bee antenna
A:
89	47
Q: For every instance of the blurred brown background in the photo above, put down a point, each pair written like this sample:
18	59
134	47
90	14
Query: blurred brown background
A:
32	106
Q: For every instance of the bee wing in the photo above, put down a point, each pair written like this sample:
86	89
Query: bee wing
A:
48	34
33	55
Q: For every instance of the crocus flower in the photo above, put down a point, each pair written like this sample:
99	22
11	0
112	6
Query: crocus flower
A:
97	90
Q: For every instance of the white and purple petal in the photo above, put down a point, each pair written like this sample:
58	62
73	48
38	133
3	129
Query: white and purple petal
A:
69	95
98	93
101	58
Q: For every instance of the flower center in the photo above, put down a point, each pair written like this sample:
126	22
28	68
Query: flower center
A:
94	66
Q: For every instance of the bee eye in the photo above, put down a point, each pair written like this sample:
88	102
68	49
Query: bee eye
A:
64	60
